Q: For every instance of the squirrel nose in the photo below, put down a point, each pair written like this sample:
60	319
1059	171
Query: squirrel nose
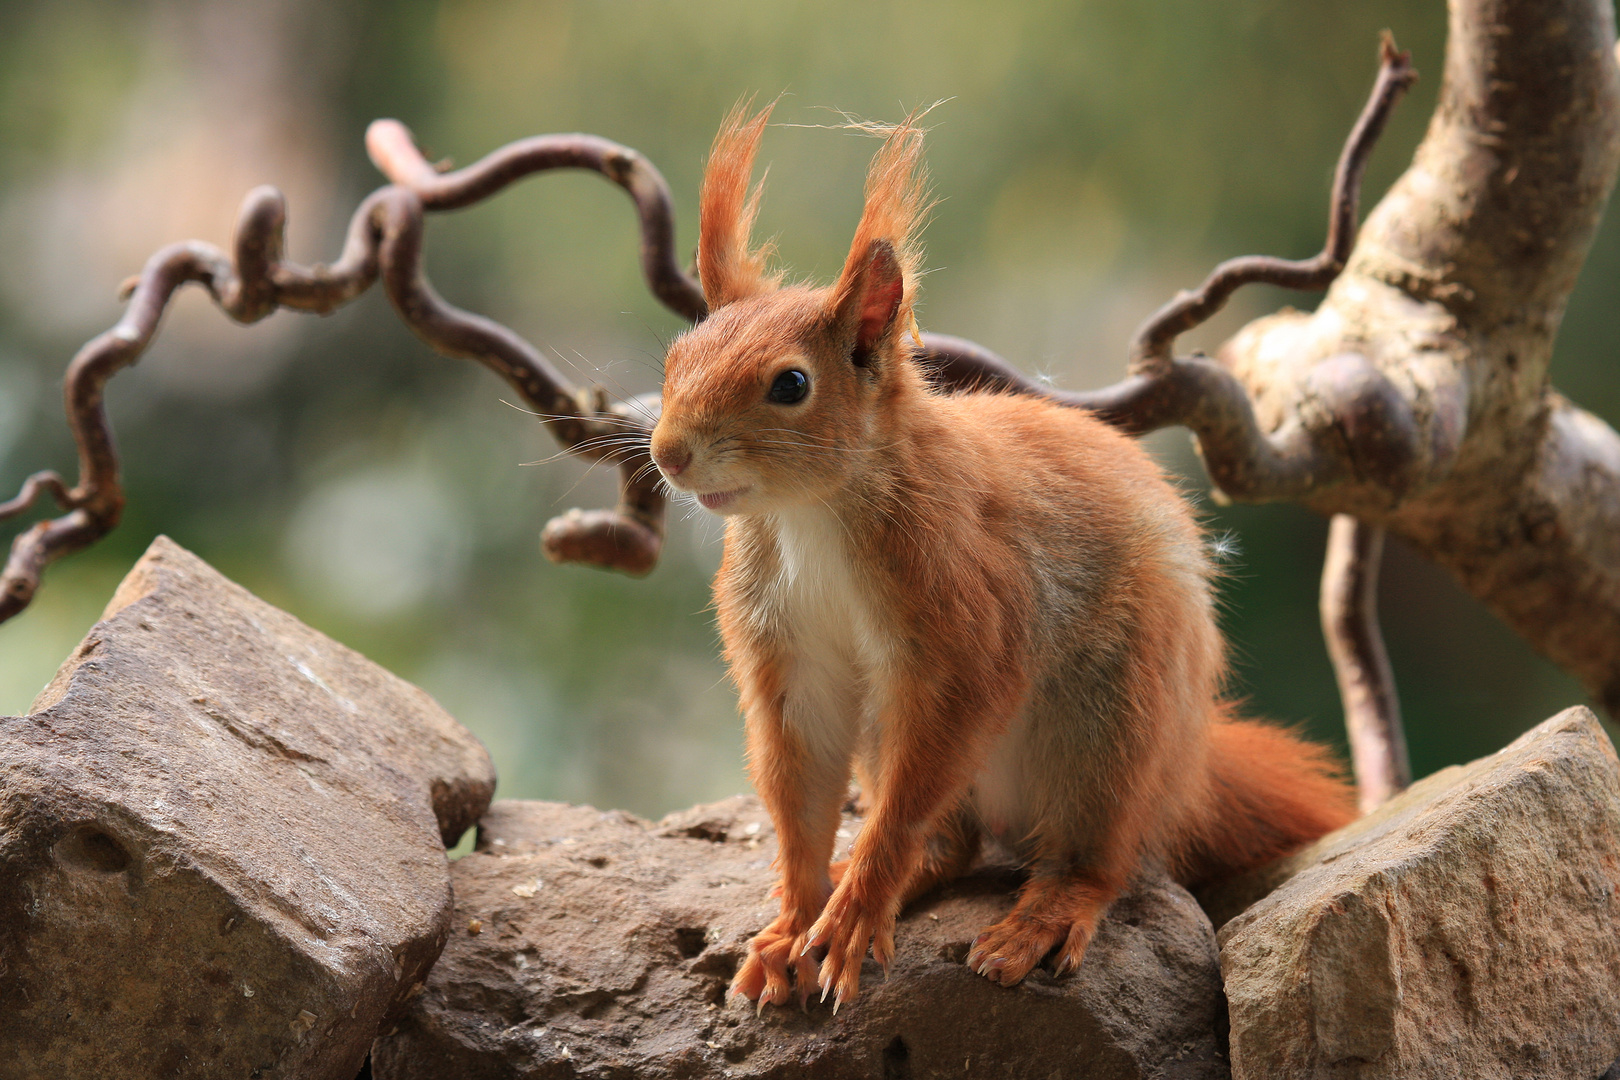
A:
673	460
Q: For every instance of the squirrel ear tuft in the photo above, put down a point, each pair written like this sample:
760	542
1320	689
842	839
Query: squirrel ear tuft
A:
873	299
728	269
878	285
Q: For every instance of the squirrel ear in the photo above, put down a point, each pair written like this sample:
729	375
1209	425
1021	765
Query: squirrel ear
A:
871	299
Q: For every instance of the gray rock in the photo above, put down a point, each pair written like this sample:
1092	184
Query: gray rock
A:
1468	928
592	944
220	843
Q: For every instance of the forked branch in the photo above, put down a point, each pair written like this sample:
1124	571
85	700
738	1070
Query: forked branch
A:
1243	459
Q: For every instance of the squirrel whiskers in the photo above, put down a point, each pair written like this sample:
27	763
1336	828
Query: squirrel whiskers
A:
994	610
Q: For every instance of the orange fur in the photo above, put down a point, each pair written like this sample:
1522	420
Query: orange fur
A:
996	610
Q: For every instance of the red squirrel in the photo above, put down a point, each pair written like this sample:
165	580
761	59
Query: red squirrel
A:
995	609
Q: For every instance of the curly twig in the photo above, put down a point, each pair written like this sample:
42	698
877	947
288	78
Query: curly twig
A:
627	538
1151	347
41	483
1196	392
247	288
1162	390
384	239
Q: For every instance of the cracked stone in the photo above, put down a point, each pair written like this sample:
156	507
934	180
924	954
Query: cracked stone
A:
222	840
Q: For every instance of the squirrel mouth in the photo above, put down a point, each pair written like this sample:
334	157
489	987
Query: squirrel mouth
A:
717	500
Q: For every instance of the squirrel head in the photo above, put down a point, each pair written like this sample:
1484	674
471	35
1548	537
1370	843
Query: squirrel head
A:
781	395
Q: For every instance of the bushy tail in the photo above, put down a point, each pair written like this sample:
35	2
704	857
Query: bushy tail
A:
1270	793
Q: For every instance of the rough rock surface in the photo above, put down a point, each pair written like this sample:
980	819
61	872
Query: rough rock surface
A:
1468	928
220	842
592	944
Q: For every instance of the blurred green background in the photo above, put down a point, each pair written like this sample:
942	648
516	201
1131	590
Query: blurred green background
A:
1095	156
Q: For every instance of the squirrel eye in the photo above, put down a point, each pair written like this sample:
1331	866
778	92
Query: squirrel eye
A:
789	387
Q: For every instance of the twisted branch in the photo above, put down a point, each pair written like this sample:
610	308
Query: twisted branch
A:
1243	459
384	239
1198	393
96	503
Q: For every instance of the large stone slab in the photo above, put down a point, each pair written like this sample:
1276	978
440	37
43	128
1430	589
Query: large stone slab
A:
1468	928
220	843
592	944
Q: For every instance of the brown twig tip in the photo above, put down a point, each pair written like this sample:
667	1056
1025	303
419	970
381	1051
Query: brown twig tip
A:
384	239
41	483
1392	57
392	148
602	538
1372	710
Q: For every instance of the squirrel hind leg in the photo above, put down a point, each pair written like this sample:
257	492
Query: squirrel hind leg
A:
1054	911
950	852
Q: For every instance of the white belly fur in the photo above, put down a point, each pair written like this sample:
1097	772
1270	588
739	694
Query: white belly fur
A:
835	684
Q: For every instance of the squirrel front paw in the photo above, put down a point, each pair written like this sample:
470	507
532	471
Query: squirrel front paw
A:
774	952
848	925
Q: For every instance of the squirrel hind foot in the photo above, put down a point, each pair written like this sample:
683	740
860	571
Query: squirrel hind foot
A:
1052	913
